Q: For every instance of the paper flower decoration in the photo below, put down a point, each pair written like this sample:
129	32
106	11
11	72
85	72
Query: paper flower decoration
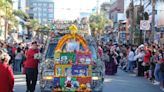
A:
83	86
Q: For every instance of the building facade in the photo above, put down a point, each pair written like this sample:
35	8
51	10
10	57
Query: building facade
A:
19	4
117	11
159	20
43	10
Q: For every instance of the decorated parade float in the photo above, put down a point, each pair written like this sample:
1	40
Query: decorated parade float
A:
72	64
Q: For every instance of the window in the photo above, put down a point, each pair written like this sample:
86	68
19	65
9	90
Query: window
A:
35	15
44	5
44	15
44	10
40	4
50	10
34	4
51	5
51	16
34	9
39	9
39	14
44	20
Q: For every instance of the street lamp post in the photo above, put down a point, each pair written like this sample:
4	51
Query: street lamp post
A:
132	22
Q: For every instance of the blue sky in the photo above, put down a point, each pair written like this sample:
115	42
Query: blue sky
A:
70	9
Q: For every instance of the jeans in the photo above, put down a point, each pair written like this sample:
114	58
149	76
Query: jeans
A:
31	79
130	66
18	65
158	73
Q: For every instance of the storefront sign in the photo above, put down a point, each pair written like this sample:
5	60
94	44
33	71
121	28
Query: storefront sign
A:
144	25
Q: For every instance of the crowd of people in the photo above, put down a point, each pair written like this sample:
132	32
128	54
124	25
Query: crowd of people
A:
145	60
19	58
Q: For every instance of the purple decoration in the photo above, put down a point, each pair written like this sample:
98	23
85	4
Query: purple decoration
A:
56	82
80	70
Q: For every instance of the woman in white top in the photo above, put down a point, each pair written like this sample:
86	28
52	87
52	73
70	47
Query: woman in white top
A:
130	60
18	60
139	58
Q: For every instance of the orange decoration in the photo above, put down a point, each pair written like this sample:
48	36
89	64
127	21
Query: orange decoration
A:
84	80
67	37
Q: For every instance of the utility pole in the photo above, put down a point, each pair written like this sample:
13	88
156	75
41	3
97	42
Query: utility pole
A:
153	20
142	15
132	23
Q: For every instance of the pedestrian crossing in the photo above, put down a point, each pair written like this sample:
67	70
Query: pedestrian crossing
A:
20	83
20	79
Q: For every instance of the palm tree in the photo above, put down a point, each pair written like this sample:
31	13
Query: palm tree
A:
6	9
21	14
33	24
98	22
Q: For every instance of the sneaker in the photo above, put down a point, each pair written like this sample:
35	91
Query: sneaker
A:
156	83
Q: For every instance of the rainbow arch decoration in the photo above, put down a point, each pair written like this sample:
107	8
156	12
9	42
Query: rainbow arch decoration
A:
67	37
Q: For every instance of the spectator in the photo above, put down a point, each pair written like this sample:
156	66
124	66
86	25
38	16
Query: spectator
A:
146	63
139	57
6	73
4	47
13	55
100	51
9	51
31	67
152	66
157	73
130	60
18	59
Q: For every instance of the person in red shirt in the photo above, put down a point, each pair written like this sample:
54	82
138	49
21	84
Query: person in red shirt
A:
31	67
146	63
147	55
6	73
14	49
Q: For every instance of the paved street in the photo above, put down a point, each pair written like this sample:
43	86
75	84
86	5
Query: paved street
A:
20	84
122	82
